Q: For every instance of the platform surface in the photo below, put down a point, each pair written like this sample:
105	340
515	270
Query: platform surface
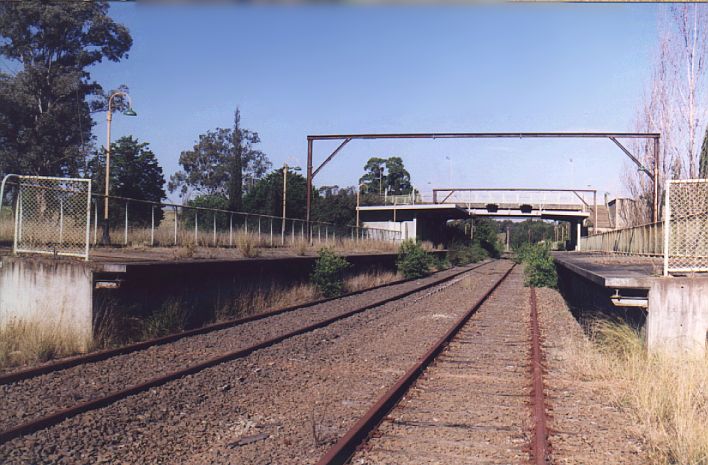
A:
612	271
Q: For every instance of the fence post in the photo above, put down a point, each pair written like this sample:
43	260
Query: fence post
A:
271	232
231	228
667	227
319	234
214	240
259	228
152	226
196	228
282	231
125	232
292	238
175	225
95	223
61	221
326	234
18	205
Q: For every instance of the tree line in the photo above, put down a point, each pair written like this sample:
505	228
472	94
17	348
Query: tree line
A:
48	97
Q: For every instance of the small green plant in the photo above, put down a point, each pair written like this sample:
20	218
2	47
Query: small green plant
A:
463	254
440	262
172	317
328	275
540	269
413	260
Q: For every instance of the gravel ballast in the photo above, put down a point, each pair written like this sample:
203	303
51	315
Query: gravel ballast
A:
284	404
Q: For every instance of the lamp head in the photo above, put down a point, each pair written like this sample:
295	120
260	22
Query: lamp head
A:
130	112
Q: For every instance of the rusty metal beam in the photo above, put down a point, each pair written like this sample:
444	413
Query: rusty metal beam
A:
484	135
329	158
487	135
634	159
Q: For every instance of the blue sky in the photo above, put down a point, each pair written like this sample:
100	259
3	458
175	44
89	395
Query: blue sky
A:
301	70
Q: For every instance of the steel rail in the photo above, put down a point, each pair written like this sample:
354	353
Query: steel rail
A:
97	356
342	451
540	448
63	414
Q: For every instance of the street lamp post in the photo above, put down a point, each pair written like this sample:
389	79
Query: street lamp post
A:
106	237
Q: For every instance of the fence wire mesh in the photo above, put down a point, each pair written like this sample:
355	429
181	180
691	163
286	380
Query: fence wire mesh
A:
52	215
135	222
686	239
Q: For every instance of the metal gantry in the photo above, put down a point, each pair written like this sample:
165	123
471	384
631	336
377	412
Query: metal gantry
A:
613	136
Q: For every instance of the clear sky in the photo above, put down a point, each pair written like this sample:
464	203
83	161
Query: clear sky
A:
304	70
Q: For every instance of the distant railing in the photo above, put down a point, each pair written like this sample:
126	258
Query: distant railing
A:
146	223
136	221
644	240
585	199
682	238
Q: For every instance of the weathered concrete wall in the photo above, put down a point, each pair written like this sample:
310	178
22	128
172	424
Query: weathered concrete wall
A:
678	315
55	293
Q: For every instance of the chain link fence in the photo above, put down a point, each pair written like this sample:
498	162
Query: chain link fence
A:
135	222
61	216
686	226
49	215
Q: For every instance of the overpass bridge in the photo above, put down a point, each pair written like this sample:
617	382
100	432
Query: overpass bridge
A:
423	216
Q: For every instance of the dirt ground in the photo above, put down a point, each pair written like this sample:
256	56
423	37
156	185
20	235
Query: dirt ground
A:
586	428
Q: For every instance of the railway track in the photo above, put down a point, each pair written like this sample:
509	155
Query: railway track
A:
467	399
37	400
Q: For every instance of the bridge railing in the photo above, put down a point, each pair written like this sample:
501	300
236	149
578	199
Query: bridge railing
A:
642	240
583	199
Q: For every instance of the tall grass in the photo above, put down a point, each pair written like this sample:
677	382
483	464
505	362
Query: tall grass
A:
667	395
24	342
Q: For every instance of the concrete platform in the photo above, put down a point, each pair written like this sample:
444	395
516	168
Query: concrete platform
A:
673	310
612	271
73	295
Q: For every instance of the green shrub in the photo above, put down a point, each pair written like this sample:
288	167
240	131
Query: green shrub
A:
328	276
440	262
413	261
539	269
464	254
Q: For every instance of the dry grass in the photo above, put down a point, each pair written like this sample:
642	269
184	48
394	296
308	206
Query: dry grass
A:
666	395
367	280
24	343
257	300
247	243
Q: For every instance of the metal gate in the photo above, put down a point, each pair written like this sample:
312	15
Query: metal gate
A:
51	215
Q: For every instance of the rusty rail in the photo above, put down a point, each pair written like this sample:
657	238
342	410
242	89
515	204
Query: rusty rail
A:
342	451
540	449
63	414
97	356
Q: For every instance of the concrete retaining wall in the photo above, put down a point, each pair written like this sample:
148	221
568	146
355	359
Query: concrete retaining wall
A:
56	294
678	315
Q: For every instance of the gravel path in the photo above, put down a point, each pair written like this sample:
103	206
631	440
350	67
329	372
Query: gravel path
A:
35	397
280	405
585	427
472	404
